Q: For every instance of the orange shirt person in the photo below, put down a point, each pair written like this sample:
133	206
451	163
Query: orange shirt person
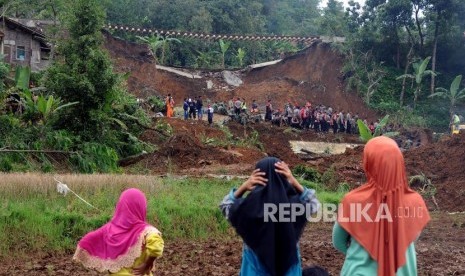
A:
169	106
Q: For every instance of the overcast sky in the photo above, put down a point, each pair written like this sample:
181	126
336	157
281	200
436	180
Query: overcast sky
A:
324	2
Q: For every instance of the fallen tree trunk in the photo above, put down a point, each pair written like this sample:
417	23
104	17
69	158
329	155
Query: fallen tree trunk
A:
132	159
308	151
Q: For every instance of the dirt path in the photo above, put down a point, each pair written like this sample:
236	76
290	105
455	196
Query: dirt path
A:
440	251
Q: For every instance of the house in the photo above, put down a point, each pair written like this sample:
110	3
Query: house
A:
23	45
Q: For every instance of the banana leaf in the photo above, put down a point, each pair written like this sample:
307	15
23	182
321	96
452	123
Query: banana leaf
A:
365	133
22	77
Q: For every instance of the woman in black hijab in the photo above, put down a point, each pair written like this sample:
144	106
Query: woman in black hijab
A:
270	219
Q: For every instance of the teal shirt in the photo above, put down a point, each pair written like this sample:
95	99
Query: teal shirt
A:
359	263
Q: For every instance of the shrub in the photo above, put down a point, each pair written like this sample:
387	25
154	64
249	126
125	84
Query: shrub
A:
330	179
95	158
307	173
157	104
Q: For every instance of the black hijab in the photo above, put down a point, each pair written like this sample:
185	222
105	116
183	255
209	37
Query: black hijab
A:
275	243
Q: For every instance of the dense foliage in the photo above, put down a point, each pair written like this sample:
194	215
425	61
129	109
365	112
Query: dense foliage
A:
85	112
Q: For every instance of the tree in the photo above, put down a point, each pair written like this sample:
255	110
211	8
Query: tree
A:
201	21
84	73
366	73
394	16
333	22
441	14
420	73
453	93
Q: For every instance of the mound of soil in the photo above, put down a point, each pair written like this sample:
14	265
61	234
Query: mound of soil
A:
196	149
442	162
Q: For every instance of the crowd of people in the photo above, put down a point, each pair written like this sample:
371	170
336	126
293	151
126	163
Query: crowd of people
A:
194	109
319	118
378	239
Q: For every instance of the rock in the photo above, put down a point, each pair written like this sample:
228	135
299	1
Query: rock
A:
232	78
209	84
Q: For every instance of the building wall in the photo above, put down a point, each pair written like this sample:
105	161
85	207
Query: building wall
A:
33	56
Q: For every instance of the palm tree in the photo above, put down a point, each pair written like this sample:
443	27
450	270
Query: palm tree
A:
224	46
453	94
419	73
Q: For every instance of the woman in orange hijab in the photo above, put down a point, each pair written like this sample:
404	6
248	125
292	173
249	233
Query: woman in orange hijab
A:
378	222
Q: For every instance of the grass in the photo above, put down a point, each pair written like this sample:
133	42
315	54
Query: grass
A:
35	218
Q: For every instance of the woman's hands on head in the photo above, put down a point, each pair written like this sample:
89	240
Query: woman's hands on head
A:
283	169
256	178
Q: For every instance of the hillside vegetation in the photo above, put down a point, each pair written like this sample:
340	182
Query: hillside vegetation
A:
396	56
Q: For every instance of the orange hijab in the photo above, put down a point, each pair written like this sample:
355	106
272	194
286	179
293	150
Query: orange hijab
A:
398	213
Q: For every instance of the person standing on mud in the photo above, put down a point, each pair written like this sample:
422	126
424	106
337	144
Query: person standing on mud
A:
254	109
231	105
348	122
185	107
237	106
379	238
334	122
127	245
199	107
268	111
210	114
340	121
191	109
270	246
289	113
169	106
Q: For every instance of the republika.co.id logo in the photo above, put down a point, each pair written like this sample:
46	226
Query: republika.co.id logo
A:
289	212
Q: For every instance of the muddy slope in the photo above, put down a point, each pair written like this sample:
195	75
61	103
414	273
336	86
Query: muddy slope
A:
313	74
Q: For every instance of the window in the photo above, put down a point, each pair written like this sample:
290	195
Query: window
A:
20	52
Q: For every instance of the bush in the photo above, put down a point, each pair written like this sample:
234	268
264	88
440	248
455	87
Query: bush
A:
307	173
157	104
96	158
6	164
330	179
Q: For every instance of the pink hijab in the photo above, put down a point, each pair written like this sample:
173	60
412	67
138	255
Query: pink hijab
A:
118	243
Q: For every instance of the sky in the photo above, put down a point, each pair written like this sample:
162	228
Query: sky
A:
324	2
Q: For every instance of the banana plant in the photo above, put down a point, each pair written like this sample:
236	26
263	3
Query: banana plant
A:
158	42
240	56
420	73
22	77
224	46
205	59
39	109
154	43
453	93
365	132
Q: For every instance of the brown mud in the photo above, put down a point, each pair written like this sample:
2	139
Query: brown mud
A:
440	251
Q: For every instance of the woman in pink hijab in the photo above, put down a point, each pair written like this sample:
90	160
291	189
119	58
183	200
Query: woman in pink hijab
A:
127	245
